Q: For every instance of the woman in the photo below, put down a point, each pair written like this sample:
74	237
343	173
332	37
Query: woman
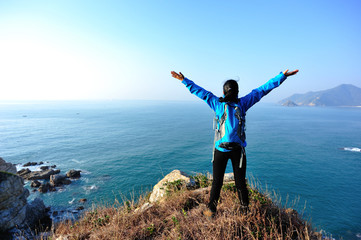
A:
230	139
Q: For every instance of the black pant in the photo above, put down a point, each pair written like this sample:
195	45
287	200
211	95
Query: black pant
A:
219	167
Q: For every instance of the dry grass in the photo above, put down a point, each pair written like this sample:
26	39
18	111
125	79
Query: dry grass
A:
180	217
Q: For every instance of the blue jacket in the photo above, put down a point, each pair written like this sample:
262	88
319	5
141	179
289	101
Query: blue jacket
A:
244	104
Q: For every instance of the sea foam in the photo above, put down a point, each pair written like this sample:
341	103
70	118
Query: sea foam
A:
352	149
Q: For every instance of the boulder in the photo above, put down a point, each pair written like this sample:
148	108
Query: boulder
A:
30	164
35	211
7	167
228	177
23	171
35	184
43	188
43	168
73	174
46	187
66	181
36	175
57	180
159	190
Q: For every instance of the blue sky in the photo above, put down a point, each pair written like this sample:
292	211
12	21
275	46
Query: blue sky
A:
53	50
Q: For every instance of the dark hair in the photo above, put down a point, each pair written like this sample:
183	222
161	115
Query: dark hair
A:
230	90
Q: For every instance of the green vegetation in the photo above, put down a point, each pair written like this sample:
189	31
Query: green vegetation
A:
201	181
174	186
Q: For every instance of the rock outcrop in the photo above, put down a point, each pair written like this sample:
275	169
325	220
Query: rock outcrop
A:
159	190
7	167
73	174
15	211
13	201
28	164
58	180
46	187
37	175
47	173
178	178
35	184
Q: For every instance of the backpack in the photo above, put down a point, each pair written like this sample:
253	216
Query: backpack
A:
220	130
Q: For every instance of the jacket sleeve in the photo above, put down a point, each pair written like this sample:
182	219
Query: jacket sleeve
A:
253	97
203	94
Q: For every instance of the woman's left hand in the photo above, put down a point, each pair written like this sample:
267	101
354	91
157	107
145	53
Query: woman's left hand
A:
178	76
286	73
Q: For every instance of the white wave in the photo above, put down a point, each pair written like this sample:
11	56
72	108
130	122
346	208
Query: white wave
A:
19	166
85	171
72	201
76	161
92	187
358	235
33	168
352	149
88	189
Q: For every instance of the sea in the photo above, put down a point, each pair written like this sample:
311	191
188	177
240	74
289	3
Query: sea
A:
308	158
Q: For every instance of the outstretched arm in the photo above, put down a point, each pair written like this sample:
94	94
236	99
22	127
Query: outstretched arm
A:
203	94
253	97
180	76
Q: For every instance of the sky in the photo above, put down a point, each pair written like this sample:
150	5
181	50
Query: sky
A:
109	50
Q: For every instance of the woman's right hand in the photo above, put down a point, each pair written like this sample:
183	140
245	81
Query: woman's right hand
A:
287	73
178	76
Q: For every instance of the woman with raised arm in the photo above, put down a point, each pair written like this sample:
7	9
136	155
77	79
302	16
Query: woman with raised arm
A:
230	138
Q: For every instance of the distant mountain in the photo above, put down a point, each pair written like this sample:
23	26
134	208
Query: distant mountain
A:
343	95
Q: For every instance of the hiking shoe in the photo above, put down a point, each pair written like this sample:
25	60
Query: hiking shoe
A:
209	214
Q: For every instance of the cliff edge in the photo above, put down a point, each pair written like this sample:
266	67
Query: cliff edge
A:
173	210
16	212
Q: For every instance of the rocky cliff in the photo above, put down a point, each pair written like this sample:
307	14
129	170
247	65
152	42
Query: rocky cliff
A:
15	210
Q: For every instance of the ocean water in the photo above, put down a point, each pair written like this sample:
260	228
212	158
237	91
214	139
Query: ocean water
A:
312	155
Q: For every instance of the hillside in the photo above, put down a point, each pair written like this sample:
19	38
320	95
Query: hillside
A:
343	95
179	216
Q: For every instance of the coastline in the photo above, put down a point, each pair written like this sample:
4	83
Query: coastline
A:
113	162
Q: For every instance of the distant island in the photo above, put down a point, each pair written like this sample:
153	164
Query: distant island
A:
343	95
